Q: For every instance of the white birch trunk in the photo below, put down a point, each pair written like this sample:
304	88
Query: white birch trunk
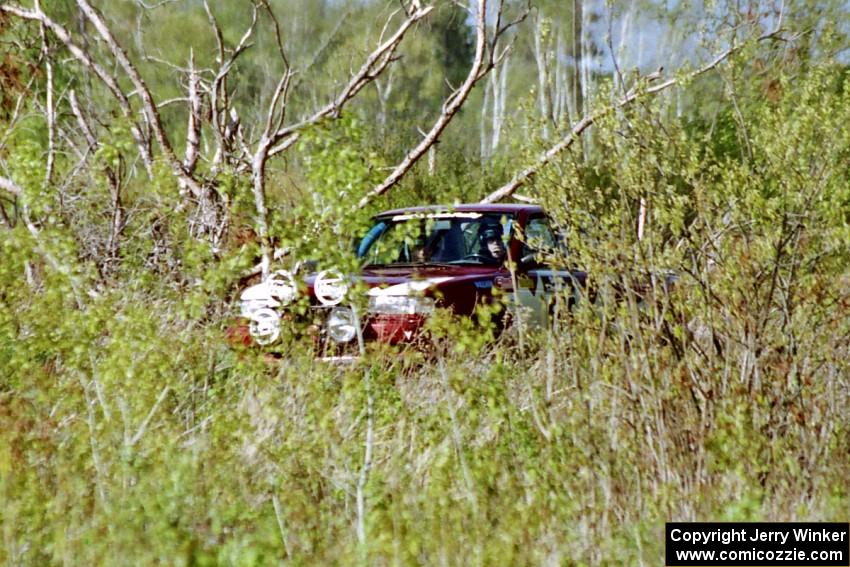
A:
485	143
578	103
621	53
586	79
499	96
559	104
542	73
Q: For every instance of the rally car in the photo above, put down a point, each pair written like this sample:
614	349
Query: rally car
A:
413	262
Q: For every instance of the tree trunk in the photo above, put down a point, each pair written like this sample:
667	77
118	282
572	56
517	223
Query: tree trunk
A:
258	183
489	87
542	72
500	84
577	46
587	57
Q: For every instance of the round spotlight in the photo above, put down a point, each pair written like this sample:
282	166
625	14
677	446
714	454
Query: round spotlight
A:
264	326
281	286
341	325
330	287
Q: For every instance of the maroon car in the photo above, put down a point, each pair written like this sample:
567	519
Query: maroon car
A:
415	261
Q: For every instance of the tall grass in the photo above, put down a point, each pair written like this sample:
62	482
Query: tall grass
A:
159	445
131	433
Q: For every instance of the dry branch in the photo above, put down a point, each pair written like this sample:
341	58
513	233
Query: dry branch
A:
275	139
454	101
83	57
193	129
81	120
50	106
224	120
374	65
450	108
150	107
11	187
635	94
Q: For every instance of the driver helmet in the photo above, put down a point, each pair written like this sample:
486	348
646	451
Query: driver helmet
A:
490	232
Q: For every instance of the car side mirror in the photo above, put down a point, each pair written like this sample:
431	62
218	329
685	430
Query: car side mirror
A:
527	259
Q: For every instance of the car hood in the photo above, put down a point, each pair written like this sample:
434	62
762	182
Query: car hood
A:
404	280
455	283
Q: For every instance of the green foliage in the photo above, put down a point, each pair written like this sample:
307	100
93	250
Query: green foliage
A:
130	431
340	169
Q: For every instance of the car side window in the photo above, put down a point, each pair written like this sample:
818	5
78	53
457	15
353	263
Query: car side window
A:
539	239
472	230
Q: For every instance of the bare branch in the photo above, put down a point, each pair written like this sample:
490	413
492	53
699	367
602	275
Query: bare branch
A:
452	104
193	129
166	63
143	427
81	121
175	100
50	110
281	93
10	186
69	140
150	108
214	98
374	65
390	19
266	147
496	26
219	100
634	94
219	39
69	177
278	37
279	96
258	269
83	57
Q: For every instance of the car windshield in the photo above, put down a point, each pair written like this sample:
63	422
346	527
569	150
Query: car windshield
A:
441	238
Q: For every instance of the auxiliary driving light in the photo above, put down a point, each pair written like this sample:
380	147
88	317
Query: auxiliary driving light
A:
264	326
330	287
341	325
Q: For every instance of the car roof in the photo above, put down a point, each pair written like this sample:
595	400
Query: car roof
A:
507	208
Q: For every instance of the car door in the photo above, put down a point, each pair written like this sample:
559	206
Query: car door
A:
540	242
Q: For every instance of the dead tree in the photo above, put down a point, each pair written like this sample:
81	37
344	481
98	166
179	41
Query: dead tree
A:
488	54
230	148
